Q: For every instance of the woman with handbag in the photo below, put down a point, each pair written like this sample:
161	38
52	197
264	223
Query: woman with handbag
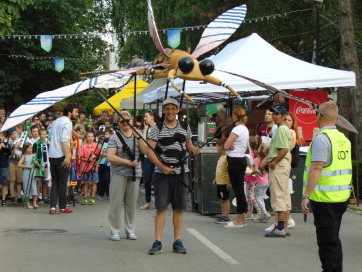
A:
236	146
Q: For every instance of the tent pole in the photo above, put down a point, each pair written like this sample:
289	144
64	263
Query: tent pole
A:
356	142
187	111
135	123
182	94
166	89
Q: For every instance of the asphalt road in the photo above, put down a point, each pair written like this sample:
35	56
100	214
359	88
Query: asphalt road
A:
33	240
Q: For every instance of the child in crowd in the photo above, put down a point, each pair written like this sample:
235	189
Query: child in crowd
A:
260	163
89	154
222	183
29	184
40	151
34	134
249	179
104	166
15	172
4	168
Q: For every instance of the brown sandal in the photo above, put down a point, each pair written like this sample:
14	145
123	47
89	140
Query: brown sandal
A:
146	206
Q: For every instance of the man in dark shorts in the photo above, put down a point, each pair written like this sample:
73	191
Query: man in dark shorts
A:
171	140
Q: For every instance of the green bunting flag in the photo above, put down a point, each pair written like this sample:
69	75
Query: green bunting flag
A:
174	37
59	64
46	42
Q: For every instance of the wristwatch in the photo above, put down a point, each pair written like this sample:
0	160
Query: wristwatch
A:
305	197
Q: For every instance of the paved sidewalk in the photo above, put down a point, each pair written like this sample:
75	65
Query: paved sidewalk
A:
35	240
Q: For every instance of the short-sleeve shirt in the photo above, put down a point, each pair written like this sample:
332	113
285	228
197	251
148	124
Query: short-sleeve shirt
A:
166	132
282	139
85	152
124	170
241	142
222	175
258	179
322	148
61	131
266	133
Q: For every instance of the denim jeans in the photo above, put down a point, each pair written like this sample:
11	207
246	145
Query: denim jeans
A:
59	183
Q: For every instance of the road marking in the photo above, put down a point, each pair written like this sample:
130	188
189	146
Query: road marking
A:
222	254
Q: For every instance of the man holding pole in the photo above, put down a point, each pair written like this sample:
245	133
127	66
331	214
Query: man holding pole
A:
171	140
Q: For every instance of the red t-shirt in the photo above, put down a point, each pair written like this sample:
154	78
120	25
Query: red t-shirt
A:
85	153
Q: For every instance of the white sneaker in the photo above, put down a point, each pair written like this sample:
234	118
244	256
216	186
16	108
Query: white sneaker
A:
249	216
291	223
270	228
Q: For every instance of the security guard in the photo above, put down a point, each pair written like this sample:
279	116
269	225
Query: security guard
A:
326	185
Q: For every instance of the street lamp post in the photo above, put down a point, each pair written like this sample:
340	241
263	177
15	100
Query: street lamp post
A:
318	4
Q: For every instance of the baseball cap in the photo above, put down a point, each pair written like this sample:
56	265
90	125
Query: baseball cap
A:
11	130
279	109
170	101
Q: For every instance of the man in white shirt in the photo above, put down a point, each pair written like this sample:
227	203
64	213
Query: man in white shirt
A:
59	157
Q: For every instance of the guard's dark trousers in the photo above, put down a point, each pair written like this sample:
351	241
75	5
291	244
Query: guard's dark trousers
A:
327	219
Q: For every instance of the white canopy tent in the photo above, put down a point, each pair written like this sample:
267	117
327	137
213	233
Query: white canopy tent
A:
255	58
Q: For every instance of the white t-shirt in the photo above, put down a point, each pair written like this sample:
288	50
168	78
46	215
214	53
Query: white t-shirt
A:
240	143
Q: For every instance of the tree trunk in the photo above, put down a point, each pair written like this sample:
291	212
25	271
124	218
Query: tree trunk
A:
349	100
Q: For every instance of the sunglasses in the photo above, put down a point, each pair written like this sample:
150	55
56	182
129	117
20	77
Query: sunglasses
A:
124	121
317	112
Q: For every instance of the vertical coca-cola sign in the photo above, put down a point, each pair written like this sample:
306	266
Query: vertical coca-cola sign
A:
306	115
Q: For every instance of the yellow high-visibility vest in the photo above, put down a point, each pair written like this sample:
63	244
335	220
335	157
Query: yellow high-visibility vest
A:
334	183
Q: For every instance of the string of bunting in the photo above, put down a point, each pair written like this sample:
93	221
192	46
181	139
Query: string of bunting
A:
128	33
59	63
48	58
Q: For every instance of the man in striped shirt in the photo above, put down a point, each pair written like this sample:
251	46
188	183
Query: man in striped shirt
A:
171	140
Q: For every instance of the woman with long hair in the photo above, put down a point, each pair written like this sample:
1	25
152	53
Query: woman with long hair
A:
236	146
221	121
292	122
150	120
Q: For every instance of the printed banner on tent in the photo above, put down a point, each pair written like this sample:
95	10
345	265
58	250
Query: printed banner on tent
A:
306	116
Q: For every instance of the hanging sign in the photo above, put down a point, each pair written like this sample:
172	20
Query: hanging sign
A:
306	116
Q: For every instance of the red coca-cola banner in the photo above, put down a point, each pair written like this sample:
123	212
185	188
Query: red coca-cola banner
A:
306	116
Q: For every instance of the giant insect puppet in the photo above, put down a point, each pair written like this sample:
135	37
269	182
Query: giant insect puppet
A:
182	64
170	63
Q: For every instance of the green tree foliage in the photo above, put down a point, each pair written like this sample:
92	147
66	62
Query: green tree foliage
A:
293	34
22	79
10	11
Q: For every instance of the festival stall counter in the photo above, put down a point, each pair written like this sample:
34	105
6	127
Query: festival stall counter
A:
205	200
204	165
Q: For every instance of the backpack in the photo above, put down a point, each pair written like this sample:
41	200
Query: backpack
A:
295	156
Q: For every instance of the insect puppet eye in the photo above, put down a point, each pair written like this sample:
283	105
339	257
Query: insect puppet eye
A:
206	67
186	64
